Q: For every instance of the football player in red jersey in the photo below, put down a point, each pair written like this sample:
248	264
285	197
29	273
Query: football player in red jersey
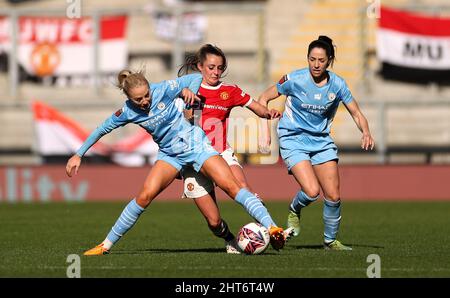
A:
211	114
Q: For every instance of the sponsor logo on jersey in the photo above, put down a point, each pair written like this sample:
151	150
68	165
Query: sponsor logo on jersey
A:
215	107
331	96
224	95
156	120
283	79
172	84
316	109
118	112
161	106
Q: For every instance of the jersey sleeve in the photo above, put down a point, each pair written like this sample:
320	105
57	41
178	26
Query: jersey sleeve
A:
190	81
344	93
115	120
240	98
173	88
284	84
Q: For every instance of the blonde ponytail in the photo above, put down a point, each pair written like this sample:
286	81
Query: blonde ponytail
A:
128	79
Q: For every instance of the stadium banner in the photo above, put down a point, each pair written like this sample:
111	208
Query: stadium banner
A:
413	47
59	46
115	183
193	27
58	135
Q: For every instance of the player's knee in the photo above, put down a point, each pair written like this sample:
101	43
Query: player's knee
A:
312	192
214	223
142	201
145	197
230	187
333	196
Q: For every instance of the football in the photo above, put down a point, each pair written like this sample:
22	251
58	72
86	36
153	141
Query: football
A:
253	238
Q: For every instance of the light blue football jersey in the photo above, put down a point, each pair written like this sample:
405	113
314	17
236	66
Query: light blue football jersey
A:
164	119
310	108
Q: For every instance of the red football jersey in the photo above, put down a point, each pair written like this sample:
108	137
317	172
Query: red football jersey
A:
215	108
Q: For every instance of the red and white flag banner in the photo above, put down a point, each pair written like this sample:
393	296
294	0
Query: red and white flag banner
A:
414	41
59	135
62	46
134	150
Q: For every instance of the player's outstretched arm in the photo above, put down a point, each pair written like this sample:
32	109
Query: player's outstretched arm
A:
268	95
367	141
264	139
73	165
106	127
263	111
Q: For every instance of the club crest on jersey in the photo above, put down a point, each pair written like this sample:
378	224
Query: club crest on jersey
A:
224	95
331	96
161	106
283	79
118	112
190	186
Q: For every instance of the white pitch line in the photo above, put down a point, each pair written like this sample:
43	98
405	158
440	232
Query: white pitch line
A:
234	268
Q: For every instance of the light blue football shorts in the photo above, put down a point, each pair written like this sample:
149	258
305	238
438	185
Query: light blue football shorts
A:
315	148
191	150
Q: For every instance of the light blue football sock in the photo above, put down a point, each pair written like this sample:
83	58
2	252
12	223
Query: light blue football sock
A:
125	221
301	200
331	219
254	207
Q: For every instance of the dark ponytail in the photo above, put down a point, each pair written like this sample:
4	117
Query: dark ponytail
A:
326	43
191	62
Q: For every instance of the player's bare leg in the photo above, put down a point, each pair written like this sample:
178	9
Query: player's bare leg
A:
218	170
238	173
208	207
328	176
303	173
160	176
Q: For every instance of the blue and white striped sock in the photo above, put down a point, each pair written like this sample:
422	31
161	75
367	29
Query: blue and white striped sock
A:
125	222
331	219
301	200
254	207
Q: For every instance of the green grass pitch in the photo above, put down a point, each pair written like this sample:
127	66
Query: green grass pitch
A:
171	239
